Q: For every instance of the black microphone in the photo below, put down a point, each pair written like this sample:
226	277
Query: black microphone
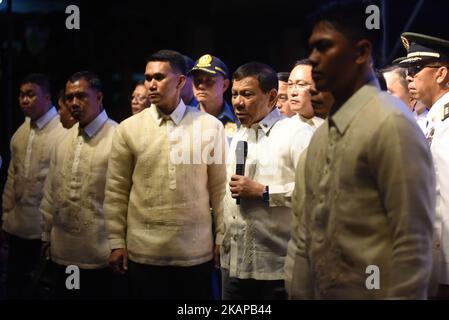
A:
241	152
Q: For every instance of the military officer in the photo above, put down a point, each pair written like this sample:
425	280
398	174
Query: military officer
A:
427	65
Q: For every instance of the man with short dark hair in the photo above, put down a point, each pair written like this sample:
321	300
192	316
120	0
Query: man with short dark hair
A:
187	94
31	146
257	230
65	116
366	217
166	170
282	102
74	229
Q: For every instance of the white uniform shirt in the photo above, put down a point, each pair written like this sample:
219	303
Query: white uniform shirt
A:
438	135
314	122
421	119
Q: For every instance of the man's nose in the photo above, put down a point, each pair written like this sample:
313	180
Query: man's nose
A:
152	84
200	85
72	103
409	78
75	101
237	102
293	91
24	99
313	58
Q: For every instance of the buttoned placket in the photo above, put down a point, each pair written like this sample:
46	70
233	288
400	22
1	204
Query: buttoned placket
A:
75	166
29	149
253	140
170	127
250	171
324	197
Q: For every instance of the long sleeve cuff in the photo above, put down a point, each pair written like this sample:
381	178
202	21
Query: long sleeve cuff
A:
219	239
117	244
46	236
4	217
281	195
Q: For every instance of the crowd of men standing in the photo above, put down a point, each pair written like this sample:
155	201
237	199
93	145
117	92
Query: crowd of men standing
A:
293	190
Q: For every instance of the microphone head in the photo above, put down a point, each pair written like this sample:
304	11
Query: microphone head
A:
241	151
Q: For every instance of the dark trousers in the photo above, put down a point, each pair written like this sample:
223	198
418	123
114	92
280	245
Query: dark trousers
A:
169	282
94	284
23	257
216	284
251	289
442	293
120	289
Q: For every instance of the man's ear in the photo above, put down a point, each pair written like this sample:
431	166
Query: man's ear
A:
100	97
48	97
181	82
364	50
442	75
273	97
226	84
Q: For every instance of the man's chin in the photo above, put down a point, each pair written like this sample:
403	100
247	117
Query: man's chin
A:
414	95
26	111
296	110
202	99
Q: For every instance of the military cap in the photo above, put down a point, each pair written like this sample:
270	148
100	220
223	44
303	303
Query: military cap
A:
210	64
421	48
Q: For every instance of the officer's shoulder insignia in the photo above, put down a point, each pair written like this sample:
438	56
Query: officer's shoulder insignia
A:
230	129
445	114
204	61
405	43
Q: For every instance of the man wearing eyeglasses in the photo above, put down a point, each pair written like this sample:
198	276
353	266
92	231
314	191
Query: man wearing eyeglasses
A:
30	159
427	65
139	98
299	84
210	82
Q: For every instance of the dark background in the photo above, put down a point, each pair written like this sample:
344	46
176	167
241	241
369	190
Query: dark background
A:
116	37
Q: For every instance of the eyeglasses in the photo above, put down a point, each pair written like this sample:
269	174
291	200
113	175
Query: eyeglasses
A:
300	85
282	97
140	99
414	70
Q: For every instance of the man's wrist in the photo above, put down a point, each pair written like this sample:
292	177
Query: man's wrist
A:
266	194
